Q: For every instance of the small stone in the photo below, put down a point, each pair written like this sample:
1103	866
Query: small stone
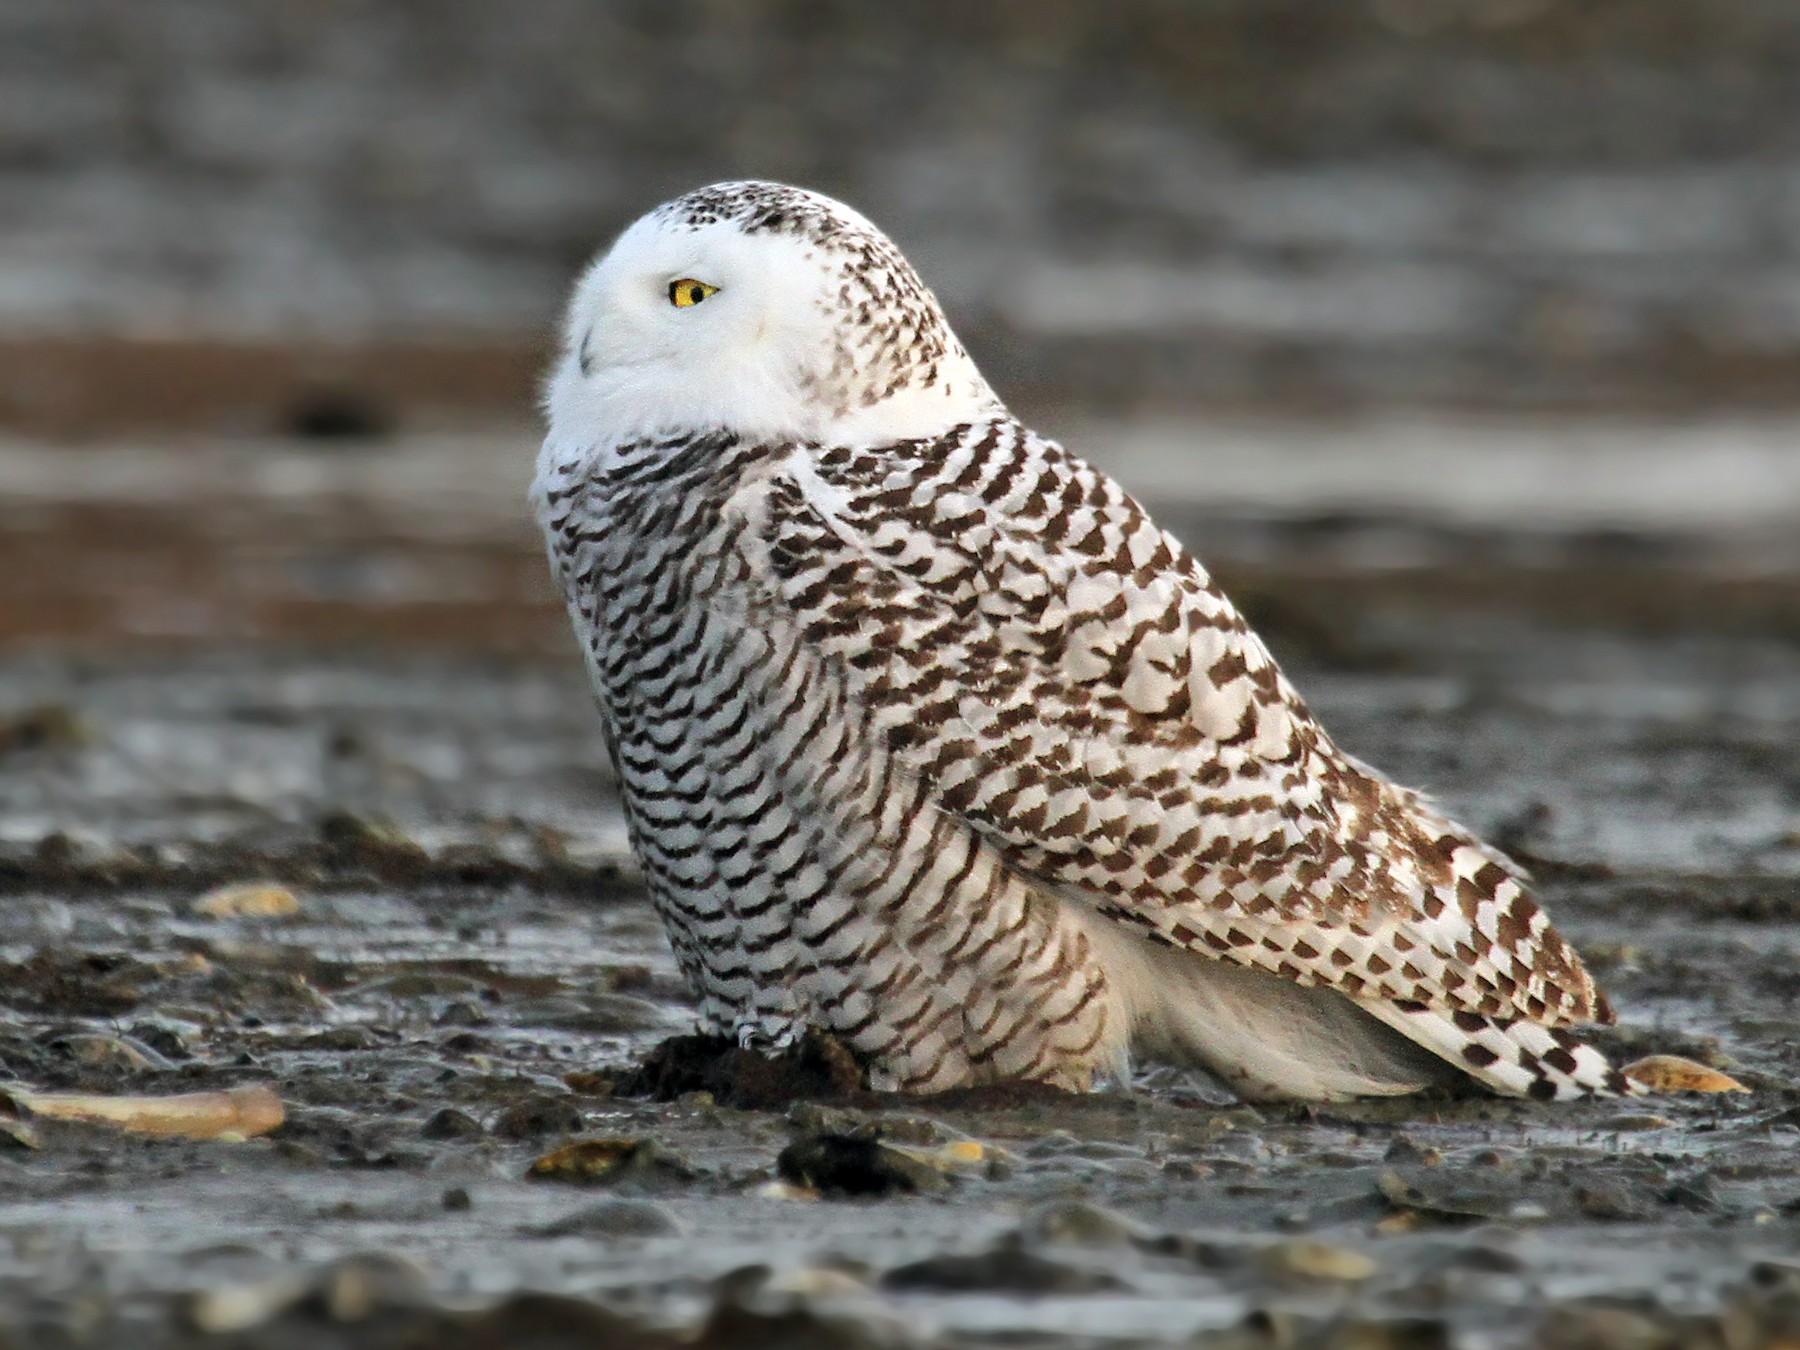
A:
462	1012
1601	1327
16	1130
786	1190
967	1156
1003	1270
450	1123
109	1052
357	1287
963	1153
806	1119
457	1200
1051	1144
1307	1260
641	1164
536	1116
1698	1195
48	726
625	979
1202	1252
1431	1192
916	1130
1672	1073
733	1326
840	1164
1409	1333
1187	1169
248	900
245	1306
169	1042
1406	1149
1780	1276
376	846
1610	1200
558	1320
1072	1223
613	1219
590	1082
340	1039
818	1281
815	1066
1632	1122
1486	1260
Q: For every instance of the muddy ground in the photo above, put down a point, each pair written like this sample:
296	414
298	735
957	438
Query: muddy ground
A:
473	960
336	666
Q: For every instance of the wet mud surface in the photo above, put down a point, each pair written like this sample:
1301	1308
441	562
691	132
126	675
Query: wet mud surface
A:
471	970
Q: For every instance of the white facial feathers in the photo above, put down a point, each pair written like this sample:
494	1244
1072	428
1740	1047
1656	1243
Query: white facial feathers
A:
819	329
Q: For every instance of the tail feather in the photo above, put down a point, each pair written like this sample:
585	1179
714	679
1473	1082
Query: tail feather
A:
1514	1057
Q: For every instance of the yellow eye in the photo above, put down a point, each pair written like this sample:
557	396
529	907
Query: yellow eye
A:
687	292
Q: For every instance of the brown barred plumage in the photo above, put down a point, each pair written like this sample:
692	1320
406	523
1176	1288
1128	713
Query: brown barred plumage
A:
928	735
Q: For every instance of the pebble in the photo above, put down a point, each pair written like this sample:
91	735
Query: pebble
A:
804	1119
462	1012
969	1156
109	1052
248	900
449	1123
170	1042
817	1282
1306	1260
1634	1122
1074	1223
639	1164
1611	1200
1599	1327
15	1130
613	1219
537	1115
47	726
1671	1073
1407	1150
785	1190
1003	1270
856	1165
734	1326
354	1288
547	1320
1433	1193
245	1306
376	846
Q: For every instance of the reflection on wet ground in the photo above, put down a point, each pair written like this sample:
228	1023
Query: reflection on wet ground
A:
471	957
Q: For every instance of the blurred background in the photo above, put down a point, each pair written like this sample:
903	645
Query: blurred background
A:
1394	281
1461	338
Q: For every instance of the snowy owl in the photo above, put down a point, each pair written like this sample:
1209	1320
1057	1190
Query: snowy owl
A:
929	737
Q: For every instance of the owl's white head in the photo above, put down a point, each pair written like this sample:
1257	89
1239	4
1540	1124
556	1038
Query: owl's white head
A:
765	310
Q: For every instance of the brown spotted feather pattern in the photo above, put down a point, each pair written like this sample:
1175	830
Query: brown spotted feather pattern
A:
899	724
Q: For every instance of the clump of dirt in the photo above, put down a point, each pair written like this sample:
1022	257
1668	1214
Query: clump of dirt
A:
855	1164
817	1067
83	984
